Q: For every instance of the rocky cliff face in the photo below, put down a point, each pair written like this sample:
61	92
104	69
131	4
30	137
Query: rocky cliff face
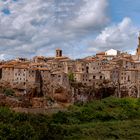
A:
129	90
83	93
55	95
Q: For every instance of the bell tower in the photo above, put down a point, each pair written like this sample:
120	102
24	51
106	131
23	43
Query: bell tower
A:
58	53
138	49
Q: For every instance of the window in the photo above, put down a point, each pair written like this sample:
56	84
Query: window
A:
94	77
87	69
128	78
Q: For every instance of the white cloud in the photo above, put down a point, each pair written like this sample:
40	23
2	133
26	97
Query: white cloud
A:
121	36
92	14
37	25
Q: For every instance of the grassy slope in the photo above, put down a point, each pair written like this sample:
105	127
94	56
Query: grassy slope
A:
104	131
108	119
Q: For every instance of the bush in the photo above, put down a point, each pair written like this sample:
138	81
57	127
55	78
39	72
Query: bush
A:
71	77
8	92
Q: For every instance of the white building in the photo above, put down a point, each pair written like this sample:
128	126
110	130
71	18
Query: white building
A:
112	52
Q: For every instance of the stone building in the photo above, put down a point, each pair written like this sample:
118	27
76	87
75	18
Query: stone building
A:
7	73
19	75
39	59
100	55
46	72
60	78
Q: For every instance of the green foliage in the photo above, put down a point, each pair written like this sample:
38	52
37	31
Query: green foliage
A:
71	77
108	119
108	109
100	120
8	92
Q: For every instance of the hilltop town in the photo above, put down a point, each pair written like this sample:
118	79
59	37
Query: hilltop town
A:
54	81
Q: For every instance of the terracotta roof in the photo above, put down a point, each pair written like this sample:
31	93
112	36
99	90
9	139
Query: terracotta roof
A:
16	63
89	60
38	64
44	69
7	66
101	53
21	67
62	57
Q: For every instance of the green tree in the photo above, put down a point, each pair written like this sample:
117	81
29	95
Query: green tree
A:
71	76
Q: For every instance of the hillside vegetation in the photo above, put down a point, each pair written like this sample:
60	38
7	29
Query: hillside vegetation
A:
108	119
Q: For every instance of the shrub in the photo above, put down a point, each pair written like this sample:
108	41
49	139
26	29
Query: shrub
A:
71	77
8	92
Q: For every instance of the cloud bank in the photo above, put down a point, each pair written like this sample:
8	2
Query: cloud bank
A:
121	36
37	27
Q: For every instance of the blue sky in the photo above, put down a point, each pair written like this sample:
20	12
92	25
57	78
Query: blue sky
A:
119	9
79	27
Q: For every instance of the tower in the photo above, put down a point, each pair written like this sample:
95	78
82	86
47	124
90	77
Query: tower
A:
138	49
58	53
